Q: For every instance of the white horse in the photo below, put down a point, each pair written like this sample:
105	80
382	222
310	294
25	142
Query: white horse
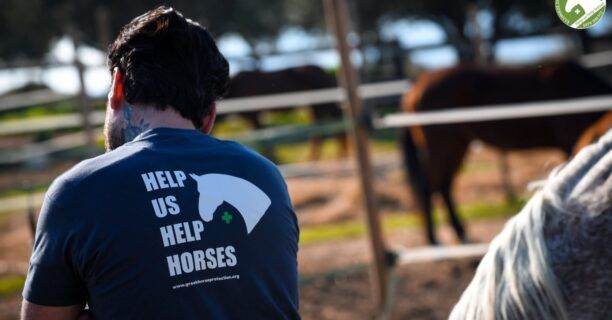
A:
554	259
215	188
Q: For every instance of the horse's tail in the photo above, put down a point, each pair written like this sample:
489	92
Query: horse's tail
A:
412	155
414	164
417	177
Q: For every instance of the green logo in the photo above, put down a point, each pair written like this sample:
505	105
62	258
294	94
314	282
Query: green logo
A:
227	217
580	14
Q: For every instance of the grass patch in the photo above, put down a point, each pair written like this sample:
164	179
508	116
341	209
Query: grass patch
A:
299	152
65	107
354	228
230	126
43	110
23	191
11	284
234	126
293	117
480	167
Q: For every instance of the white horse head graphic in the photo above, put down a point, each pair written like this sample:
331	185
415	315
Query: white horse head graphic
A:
587	5
247	198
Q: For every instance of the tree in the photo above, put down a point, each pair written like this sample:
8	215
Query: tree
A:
24	29
27	27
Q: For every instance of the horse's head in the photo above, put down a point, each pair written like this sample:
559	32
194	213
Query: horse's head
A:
208	202
570	5
584	6
250	201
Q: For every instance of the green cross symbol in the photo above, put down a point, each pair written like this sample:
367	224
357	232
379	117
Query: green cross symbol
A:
227	217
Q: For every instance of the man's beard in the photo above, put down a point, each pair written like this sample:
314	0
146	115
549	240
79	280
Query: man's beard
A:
113	135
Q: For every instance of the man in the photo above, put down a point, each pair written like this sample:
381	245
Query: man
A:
170	223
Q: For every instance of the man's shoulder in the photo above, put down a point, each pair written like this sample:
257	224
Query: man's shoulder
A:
91	170
248	155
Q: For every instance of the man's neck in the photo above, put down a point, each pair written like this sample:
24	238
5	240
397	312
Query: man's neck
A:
138	119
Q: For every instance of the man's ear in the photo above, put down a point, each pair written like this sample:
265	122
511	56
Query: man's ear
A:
116	94
209	120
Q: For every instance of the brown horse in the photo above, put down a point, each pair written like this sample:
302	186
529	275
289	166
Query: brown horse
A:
433	154
253	83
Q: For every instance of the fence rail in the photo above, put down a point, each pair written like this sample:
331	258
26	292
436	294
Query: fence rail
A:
37	150
302	98
496	112
23	100
58	122
256	103
430	254
596	60
259	103
293	133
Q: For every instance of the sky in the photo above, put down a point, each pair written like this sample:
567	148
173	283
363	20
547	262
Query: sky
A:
299	48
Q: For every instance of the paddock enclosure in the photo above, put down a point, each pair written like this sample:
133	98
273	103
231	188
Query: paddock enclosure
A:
364	199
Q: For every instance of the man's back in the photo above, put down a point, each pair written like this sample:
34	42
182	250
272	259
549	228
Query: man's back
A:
174	225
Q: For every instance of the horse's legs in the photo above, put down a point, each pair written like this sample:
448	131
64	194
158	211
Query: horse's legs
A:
342	139
452	214
504	169
427	211
423	199
447	148
267	147
417	177
316	145
316	142
325	113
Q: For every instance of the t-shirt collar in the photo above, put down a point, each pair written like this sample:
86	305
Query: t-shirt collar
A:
164	130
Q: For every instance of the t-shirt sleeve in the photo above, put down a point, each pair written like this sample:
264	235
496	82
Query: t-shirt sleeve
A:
52	278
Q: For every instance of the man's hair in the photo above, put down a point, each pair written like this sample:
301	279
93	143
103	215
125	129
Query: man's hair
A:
169	60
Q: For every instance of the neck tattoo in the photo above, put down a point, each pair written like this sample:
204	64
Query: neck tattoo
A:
131	126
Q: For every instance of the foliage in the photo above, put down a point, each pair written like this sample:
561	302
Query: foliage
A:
11	284
39	111
24	29
27	26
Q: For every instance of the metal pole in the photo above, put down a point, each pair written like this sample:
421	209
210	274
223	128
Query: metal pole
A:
104	27
338	21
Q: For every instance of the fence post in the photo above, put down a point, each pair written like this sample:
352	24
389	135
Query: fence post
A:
337	16
82	99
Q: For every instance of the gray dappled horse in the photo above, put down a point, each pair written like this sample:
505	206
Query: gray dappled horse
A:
554	259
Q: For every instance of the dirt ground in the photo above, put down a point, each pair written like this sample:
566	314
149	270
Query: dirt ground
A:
334	277
335	281
335	197
426	291
336	286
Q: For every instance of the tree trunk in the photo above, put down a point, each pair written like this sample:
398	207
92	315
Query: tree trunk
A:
456	37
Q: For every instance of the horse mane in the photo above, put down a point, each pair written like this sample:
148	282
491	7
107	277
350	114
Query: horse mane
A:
514	280
531	268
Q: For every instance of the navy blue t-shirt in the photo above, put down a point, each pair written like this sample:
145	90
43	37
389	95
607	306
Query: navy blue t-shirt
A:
173	225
